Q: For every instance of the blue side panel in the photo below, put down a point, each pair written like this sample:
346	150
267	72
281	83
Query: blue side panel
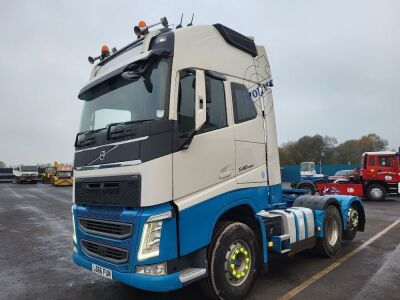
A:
276	194
196	223
264	245
319	215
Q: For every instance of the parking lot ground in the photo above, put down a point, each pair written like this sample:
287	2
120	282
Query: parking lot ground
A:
36	247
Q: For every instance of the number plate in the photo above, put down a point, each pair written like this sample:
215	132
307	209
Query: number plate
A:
102	271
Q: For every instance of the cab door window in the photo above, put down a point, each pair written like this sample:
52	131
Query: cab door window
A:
385	161
215	103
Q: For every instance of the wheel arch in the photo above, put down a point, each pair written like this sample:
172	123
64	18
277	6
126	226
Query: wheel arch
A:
244	212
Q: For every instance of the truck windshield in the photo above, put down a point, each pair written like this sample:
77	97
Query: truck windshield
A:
120	100
307	166
29	169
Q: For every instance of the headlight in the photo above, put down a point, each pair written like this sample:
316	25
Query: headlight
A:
150	241
151	236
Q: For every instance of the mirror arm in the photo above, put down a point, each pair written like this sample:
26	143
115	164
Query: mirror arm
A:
188	140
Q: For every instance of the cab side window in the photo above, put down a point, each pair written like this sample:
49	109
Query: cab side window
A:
243	106
215	105
385	161
371	161
186	102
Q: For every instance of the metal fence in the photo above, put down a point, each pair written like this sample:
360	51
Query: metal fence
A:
291	173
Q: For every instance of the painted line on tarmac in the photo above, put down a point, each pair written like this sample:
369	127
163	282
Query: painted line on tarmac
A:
336	264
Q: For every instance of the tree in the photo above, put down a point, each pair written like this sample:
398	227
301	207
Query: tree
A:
350	151
308	148
318	148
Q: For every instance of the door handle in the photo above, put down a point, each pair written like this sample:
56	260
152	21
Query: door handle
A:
225	173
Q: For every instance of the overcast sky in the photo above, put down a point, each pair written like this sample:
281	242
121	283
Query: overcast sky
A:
335	64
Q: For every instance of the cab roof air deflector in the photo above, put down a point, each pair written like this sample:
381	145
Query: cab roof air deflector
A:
237	39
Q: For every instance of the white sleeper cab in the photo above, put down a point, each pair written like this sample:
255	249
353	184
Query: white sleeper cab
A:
176	171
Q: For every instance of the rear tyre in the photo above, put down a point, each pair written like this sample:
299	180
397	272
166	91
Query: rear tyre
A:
330	243
308	187
232	262
376	192
353	221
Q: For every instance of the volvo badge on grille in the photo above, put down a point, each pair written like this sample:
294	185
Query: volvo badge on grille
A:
102	155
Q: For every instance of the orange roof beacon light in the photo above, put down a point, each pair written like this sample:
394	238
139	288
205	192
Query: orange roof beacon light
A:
105	52
142	28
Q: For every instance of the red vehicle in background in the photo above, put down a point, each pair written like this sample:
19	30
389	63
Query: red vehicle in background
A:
342	174
378	177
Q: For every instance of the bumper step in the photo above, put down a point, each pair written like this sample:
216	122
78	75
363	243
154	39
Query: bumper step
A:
191	274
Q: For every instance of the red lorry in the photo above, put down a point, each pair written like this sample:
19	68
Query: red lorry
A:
378	177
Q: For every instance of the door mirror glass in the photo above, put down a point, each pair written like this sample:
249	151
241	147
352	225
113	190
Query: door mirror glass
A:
186	102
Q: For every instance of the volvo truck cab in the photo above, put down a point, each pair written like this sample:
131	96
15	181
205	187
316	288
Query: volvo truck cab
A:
176	171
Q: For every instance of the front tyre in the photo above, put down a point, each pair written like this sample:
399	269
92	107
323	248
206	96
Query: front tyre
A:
330	243
376	192
232	262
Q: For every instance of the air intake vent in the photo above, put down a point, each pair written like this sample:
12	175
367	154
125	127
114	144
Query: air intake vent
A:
106	228
108	191
107	253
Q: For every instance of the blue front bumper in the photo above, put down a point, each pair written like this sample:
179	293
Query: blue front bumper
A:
163	283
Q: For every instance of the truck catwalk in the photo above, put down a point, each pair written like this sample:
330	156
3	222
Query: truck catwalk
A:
36	246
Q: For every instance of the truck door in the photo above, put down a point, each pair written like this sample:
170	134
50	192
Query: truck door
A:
209	160
387	168
387	171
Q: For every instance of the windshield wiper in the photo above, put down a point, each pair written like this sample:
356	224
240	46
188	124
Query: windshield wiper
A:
88	141
109	126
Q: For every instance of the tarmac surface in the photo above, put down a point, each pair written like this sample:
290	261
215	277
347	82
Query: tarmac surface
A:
36	248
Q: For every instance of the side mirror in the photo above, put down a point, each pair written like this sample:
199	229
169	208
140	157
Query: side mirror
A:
200	105
130	75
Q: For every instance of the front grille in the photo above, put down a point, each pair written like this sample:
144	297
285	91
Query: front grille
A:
108	191
105	252
106	228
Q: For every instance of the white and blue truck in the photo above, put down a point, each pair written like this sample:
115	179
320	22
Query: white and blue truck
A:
176	170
